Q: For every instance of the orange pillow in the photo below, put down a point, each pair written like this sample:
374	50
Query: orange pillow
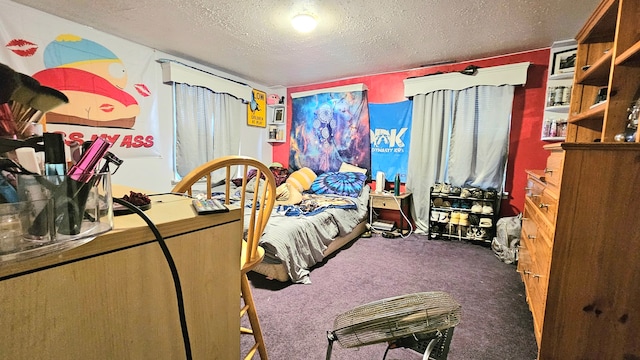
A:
302	179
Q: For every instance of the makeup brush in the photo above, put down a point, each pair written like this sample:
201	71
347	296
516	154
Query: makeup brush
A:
9	82
21	97
46	100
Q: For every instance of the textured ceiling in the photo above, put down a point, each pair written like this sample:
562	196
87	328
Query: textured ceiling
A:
254	39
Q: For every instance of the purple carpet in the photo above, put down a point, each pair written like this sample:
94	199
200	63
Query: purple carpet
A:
496	322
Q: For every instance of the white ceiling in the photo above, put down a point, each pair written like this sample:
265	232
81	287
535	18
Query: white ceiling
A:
254	39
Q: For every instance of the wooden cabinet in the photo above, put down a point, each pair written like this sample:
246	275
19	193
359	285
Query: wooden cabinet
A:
591	309
580	237
114	298
578	251
608	60
538	227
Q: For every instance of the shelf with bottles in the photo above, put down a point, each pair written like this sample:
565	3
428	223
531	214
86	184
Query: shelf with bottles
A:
276	123
463	213
559	88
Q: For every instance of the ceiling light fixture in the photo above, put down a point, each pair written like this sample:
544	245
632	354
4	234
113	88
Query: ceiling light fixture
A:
304	23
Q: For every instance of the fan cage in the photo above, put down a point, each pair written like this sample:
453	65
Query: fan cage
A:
397	317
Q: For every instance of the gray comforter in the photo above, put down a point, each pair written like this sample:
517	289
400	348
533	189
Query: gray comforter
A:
299	241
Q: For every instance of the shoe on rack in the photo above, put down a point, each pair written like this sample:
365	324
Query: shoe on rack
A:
435	216
482	234
465	193
487	210
455	218
464	219
476	208
485	222
489	194
437	202
437	188
444	217
446	188
455	190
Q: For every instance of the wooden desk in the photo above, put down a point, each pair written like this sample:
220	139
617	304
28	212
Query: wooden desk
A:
114	298
400	203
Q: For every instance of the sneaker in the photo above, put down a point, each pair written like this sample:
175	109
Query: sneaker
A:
455	218
489	194
455	190
451	228
476	193
465	193
476	208
487	210
437	188
444	217
482	234
485	222
446	188
435	215
437	202
446	204
464	219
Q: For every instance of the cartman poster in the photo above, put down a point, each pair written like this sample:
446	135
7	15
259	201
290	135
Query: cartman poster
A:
110	82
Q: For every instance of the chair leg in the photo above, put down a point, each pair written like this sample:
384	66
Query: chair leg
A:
253	316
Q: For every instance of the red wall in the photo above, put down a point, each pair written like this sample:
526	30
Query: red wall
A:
525	147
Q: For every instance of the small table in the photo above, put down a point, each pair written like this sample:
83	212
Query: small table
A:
400	203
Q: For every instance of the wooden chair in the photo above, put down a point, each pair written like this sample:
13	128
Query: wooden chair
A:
258	207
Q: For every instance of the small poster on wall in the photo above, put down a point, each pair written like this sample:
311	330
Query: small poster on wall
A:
257	109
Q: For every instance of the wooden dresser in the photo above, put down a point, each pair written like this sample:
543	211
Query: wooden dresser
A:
579	252
114	298
538	229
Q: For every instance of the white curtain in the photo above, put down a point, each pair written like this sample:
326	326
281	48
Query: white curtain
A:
480	136
206	126
428	153
460	137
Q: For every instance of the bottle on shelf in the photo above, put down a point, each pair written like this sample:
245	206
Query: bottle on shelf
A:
396	185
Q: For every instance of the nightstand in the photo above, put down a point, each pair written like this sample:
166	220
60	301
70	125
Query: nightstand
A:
387	201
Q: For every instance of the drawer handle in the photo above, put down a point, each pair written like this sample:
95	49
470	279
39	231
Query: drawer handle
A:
527	189
547	170
532	237
536	276
542	205
535	195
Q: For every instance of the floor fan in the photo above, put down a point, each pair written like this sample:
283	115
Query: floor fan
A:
423	322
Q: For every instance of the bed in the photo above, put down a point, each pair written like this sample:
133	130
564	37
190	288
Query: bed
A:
312	217
293	247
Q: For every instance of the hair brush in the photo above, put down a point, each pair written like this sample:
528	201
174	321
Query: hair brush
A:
9	82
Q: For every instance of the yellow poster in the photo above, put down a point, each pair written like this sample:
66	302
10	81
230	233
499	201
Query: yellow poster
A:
257	109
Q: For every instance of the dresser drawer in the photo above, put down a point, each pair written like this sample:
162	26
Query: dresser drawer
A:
553	171
534	189
385	202
549	205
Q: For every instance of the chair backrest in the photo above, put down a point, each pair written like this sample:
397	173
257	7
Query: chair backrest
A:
260	201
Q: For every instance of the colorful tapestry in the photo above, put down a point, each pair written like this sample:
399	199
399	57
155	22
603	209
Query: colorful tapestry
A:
110	83
328	129
390	134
